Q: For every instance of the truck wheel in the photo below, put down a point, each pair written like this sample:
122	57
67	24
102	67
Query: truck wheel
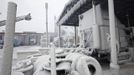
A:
88	66
75	73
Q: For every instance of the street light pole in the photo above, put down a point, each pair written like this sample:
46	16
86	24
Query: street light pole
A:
46	6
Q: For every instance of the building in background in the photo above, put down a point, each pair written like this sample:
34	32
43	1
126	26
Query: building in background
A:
23	39
26	38
43	40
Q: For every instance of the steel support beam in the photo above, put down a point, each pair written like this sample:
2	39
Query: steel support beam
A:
75	39
114	58
6	67
59	35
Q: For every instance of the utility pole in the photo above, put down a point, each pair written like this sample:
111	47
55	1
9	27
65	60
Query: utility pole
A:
114	58
53	61
6	67
46	6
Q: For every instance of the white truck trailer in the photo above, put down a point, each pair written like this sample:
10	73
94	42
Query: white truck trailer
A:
92	19
97	35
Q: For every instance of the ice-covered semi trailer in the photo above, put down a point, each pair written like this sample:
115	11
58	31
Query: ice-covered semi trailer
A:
93	25
97	36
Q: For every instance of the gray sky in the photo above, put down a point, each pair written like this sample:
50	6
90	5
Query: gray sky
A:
37	10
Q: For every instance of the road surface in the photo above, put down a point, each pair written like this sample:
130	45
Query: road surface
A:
125	69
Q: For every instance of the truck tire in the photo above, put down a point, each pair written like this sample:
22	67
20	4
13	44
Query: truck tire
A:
75	73
88	66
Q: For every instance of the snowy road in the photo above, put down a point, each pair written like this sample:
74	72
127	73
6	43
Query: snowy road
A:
125	69
18	49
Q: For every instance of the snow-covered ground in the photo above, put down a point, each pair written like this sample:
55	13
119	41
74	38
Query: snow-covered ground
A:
125	69
20	49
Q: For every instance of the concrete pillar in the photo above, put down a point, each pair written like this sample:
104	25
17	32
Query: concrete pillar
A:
53	63
6	67
114	58
94	12
132	53
96	33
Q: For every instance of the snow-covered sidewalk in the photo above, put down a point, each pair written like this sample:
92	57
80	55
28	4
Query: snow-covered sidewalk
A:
17	50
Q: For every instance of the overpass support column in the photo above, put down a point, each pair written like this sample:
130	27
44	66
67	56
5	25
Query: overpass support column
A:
6	67
114	58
